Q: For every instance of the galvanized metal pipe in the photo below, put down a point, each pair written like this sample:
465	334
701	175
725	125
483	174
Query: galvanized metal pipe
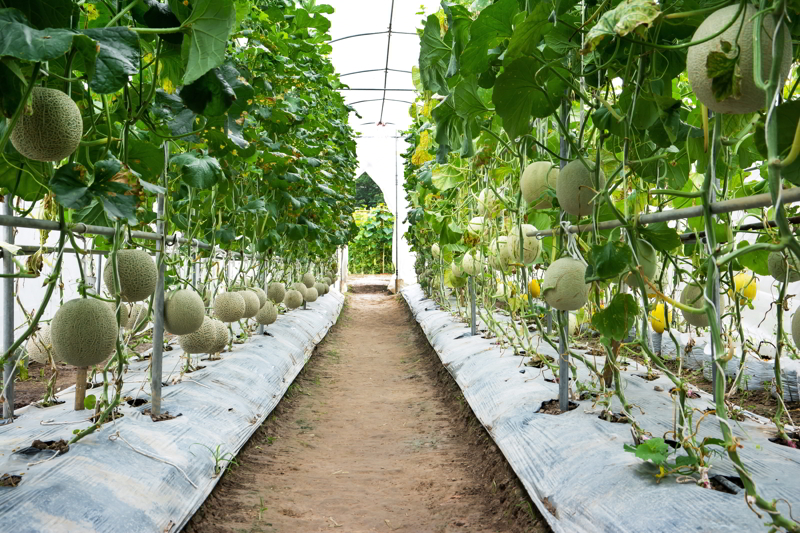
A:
158	303
473	326
8	317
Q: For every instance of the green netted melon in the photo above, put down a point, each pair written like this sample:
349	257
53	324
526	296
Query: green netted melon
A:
498	256
796	327
262	296
137	275
648	260
322	289
267	314
251	306
124	316
222	336
293	299
751	97
530	245
563	286
137	315
575	188
327	288
229	306
301	288
276	292
204	340
535	180
777	266
326	280
40	344
435	251
53	132
311	294
692	295
84	332
309	280
184	311
471	263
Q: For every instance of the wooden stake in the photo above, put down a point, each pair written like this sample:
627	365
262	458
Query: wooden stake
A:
80	388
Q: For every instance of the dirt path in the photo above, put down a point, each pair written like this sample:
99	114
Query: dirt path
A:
367	439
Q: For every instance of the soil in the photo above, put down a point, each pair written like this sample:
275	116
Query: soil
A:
373	435
32	389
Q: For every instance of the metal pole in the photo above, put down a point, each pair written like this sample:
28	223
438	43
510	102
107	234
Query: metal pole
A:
98	274
473	327
8	317
715	281
563	333
397	222
158	303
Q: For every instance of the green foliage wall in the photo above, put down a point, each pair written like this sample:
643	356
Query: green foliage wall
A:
371	250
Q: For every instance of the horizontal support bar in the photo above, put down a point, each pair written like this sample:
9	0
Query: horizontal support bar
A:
788	196
375	70
372	33
377	89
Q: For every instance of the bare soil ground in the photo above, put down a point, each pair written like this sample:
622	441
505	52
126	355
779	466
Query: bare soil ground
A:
373	436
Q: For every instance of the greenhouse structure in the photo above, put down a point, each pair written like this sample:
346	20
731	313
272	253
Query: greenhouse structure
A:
375	265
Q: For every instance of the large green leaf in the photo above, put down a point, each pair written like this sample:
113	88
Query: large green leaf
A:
46	13
198	170
493	25
434	54
146	159
211	22
449	128
755	261
661	236
209	95
608	260
12	87
468	104
616	320
117	58
459	22
629	16
18	39
528	35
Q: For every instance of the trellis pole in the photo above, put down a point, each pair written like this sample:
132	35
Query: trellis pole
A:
158	303
8	317
473	328
563	322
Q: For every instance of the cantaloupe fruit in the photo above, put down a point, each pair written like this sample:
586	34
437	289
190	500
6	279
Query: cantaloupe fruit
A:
796	327
563	286
456	270
251	306
184	311
530	245
309	280
222	336
125	312
322	289
276	292
229	306
575	188
204	340
472	263
293	299
137	315
693	295
301	288
648	260
498	255
535	180
137	275
477	226
40	344
311	294
777	266
262	296
267	314
84	331
751	98
326	280
435	250
53	132
488	202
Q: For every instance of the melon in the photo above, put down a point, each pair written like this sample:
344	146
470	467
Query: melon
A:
301	288
575	188
39	345
435	250
204	340
183	312
229	306
657	319
536	180
53	132
477	226
84	332
745	283
648	260
262	296
137	275
222	336
138	314
267	314
530	245
472	263
456	270
533	288
124	316
777	266
311	295
251	306
322	289
751	98
309	280
326	280
293	299
563	286
488	202
796	327
692	295
276	292
498	254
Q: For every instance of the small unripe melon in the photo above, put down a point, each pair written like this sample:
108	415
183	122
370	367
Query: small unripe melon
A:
535	180
530	245
435	250
267	314
777	266
796	327
276	292
477	226
137	315
311	294
498	255
293	299
125	313
321	288
751	98
40	344
692	295
183	312
251	306
229	306
262	296
204	340
575	188
53	132
137	275
301	288
648	260
84	331
472	263
456	270
488	202
563	286
309	280
222	337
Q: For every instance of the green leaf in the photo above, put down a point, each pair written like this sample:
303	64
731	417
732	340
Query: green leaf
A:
655	450
493	25
459	22
12	88
211	22
608	260
616	320
725	73
447	177
117	58
449	127
145	159
89	402
755	261
68	184
629	16
18	39
468	104
46	13
433	57
528	35
209	95
661	236
198	170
